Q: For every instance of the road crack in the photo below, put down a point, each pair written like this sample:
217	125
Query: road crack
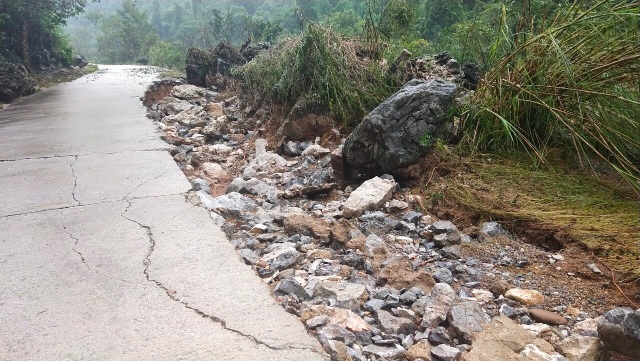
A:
75	180
172	294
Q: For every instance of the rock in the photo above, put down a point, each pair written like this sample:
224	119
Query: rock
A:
394	325
410	296
215	110
371	195
526	297
446	353
337	349
503	339
533	353
445	234
201	185
282	258
393	134
467	319
548	317
421	350
232	204
345	294
80	61
435	307
619	330
173	106
253	186
215	172
337	333
187	92
439	335
14	81
580	348
443	275
264	162
499	287
248	256
292	149
399	274
397	206
588	327
339	316
385	353
492	229
594	268
374	246
317	321
290	286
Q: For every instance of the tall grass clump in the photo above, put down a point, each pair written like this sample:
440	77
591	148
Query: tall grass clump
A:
573	83
321	68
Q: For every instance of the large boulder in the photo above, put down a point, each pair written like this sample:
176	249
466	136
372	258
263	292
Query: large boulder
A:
401	129
207	64
619	330
14	81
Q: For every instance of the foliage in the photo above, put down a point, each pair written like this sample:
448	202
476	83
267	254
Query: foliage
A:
126	35
323	68
169	55
574	83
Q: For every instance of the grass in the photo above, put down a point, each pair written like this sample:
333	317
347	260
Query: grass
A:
322	68
602	215
575	84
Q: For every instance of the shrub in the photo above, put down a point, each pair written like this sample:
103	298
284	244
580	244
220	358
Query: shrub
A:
574	83
323	68
168	55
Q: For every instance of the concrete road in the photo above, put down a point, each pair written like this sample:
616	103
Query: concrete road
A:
102	257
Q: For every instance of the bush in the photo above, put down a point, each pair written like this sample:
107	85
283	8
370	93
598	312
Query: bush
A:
168	55
573	84
323	68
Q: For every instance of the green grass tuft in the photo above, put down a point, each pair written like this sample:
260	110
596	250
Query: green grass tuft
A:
573	84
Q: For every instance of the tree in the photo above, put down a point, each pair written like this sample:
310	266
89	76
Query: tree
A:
28	21
126	35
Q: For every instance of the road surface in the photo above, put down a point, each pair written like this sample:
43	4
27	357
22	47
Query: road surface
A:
101	255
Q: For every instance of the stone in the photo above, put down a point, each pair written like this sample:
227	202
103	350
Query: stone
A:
526	297
80	61
264	162
187	92
248	256
385	353
253	186
580	348
199	184
443	275
421	350
482	295
337	333
467	319
317	321
315	151
215	172
492	229
14	81
232	204
215	110
345	294
399	274
445	234
446	353
499	287
548	317
390	324
587	327
339	316
533	353
502	339
435	307
282	258
374	245
619	330
397	206
439	335
392	136
371	195
290	286
410	296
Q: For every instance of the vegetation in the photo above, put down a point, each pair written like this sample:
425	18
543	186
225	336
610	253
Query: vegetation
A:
322	68
572	84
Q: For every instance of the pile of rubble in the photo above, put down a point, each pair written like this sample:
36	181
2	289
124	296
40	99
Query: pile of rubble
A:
368	273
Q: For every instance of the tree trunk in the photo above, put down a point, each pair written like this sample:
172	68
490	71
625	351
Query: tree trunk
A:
26	53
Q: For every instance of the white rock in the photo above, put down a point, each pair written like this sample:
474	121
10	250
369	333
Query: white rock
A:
533	353
580	348
371	195
526	297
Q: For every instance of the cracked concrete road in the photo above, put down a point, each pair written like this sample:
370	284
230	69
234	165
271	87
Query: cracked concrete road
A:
102	257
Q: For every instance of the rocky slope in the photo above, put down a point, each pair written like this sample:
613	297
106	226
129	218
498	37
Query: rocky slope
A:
368	271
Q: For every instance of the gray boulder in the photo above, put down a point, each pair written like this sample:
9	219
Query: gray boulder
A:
401	129
619	330
14	81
